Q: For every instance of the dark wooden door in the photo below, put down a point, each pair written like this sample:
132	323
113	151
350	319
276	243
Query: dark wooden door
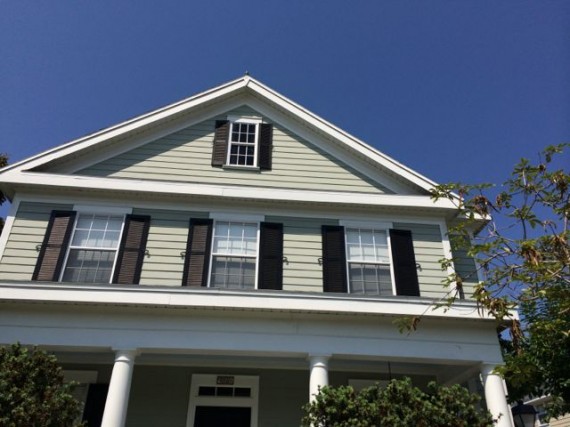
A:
222	416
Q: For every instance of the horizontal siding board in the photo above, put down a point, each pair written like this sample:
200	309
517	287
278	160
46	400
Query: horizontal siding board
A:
185	156
167	238
302	247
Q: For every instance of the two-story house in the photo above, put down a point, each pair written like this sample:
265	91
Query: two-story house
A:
215	261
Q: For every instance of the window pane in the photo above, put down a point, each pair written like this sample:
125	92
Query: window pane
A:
366	237
99	231
368	253
95	238
89	266
371	279
99	222
354	252
367	245
80	238
233	272
236	230
235	238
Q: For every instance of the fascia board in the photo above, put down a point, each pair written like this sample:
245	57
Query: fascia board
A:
51	181
126	127
236	300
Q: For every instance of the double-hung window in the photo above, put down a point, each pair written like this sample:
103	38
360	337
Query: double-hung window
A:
243	143
93	248
234	255
368	259
93	244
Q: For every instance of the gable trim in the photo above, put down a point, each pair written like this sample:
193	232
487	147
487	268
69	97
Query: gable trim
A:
218	92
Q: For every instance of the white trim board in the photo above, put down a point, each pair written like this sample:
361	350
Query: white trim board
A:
253	193
137	203
237	300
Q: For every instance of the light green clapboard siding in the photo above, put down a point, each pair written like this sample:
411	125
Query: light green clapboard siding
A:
160	395
185	156
28	230
168	233
302	246
466	268
428	250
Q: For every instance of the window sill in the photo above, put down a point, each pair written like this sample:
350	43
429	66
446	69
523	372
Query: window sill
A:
242	168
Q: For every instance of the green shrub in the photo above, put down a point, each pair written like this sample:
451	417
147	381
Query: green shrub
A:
399	404
32	390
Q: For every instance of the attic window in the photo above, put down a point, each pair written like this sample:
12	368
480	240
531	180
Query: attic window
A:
242	142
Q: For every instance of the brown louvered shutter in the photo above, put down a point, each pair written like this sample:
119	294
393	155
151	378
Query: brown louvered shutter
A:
265	146
220	150
334	259
53	249
270	256
404	262
198	248
132	250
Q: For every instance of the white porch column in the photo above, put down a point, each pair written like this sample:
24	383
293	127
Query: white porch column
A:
115	412
319	376
495	396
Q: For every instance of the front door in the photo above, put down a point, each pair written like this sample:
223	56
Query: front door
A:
223	401
222	416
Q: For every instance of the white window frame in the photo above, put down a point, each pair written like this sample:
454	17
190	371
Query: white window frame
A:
232	218
243	120
369	226
90	210
210	380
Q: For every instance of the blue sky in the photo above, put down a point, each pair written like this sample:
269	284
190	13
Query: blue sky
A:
457	90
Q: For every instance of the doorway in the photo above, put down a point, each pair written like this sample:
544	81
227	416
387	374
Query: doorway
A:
223	401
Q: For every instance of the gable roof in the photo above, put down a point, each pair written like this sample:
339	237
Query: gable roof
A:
243	85
245	82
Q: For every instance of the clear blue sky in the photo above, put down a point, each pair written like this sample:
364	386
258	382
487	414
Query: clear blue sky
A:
457	90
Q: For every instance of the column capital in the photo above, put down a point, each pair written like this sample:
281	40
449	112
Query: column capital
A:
125	353
487	368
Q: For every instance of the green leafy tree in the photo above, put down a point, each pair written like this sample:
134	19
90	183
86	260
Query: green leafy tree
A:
3	163
522	246
32	390
399	404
